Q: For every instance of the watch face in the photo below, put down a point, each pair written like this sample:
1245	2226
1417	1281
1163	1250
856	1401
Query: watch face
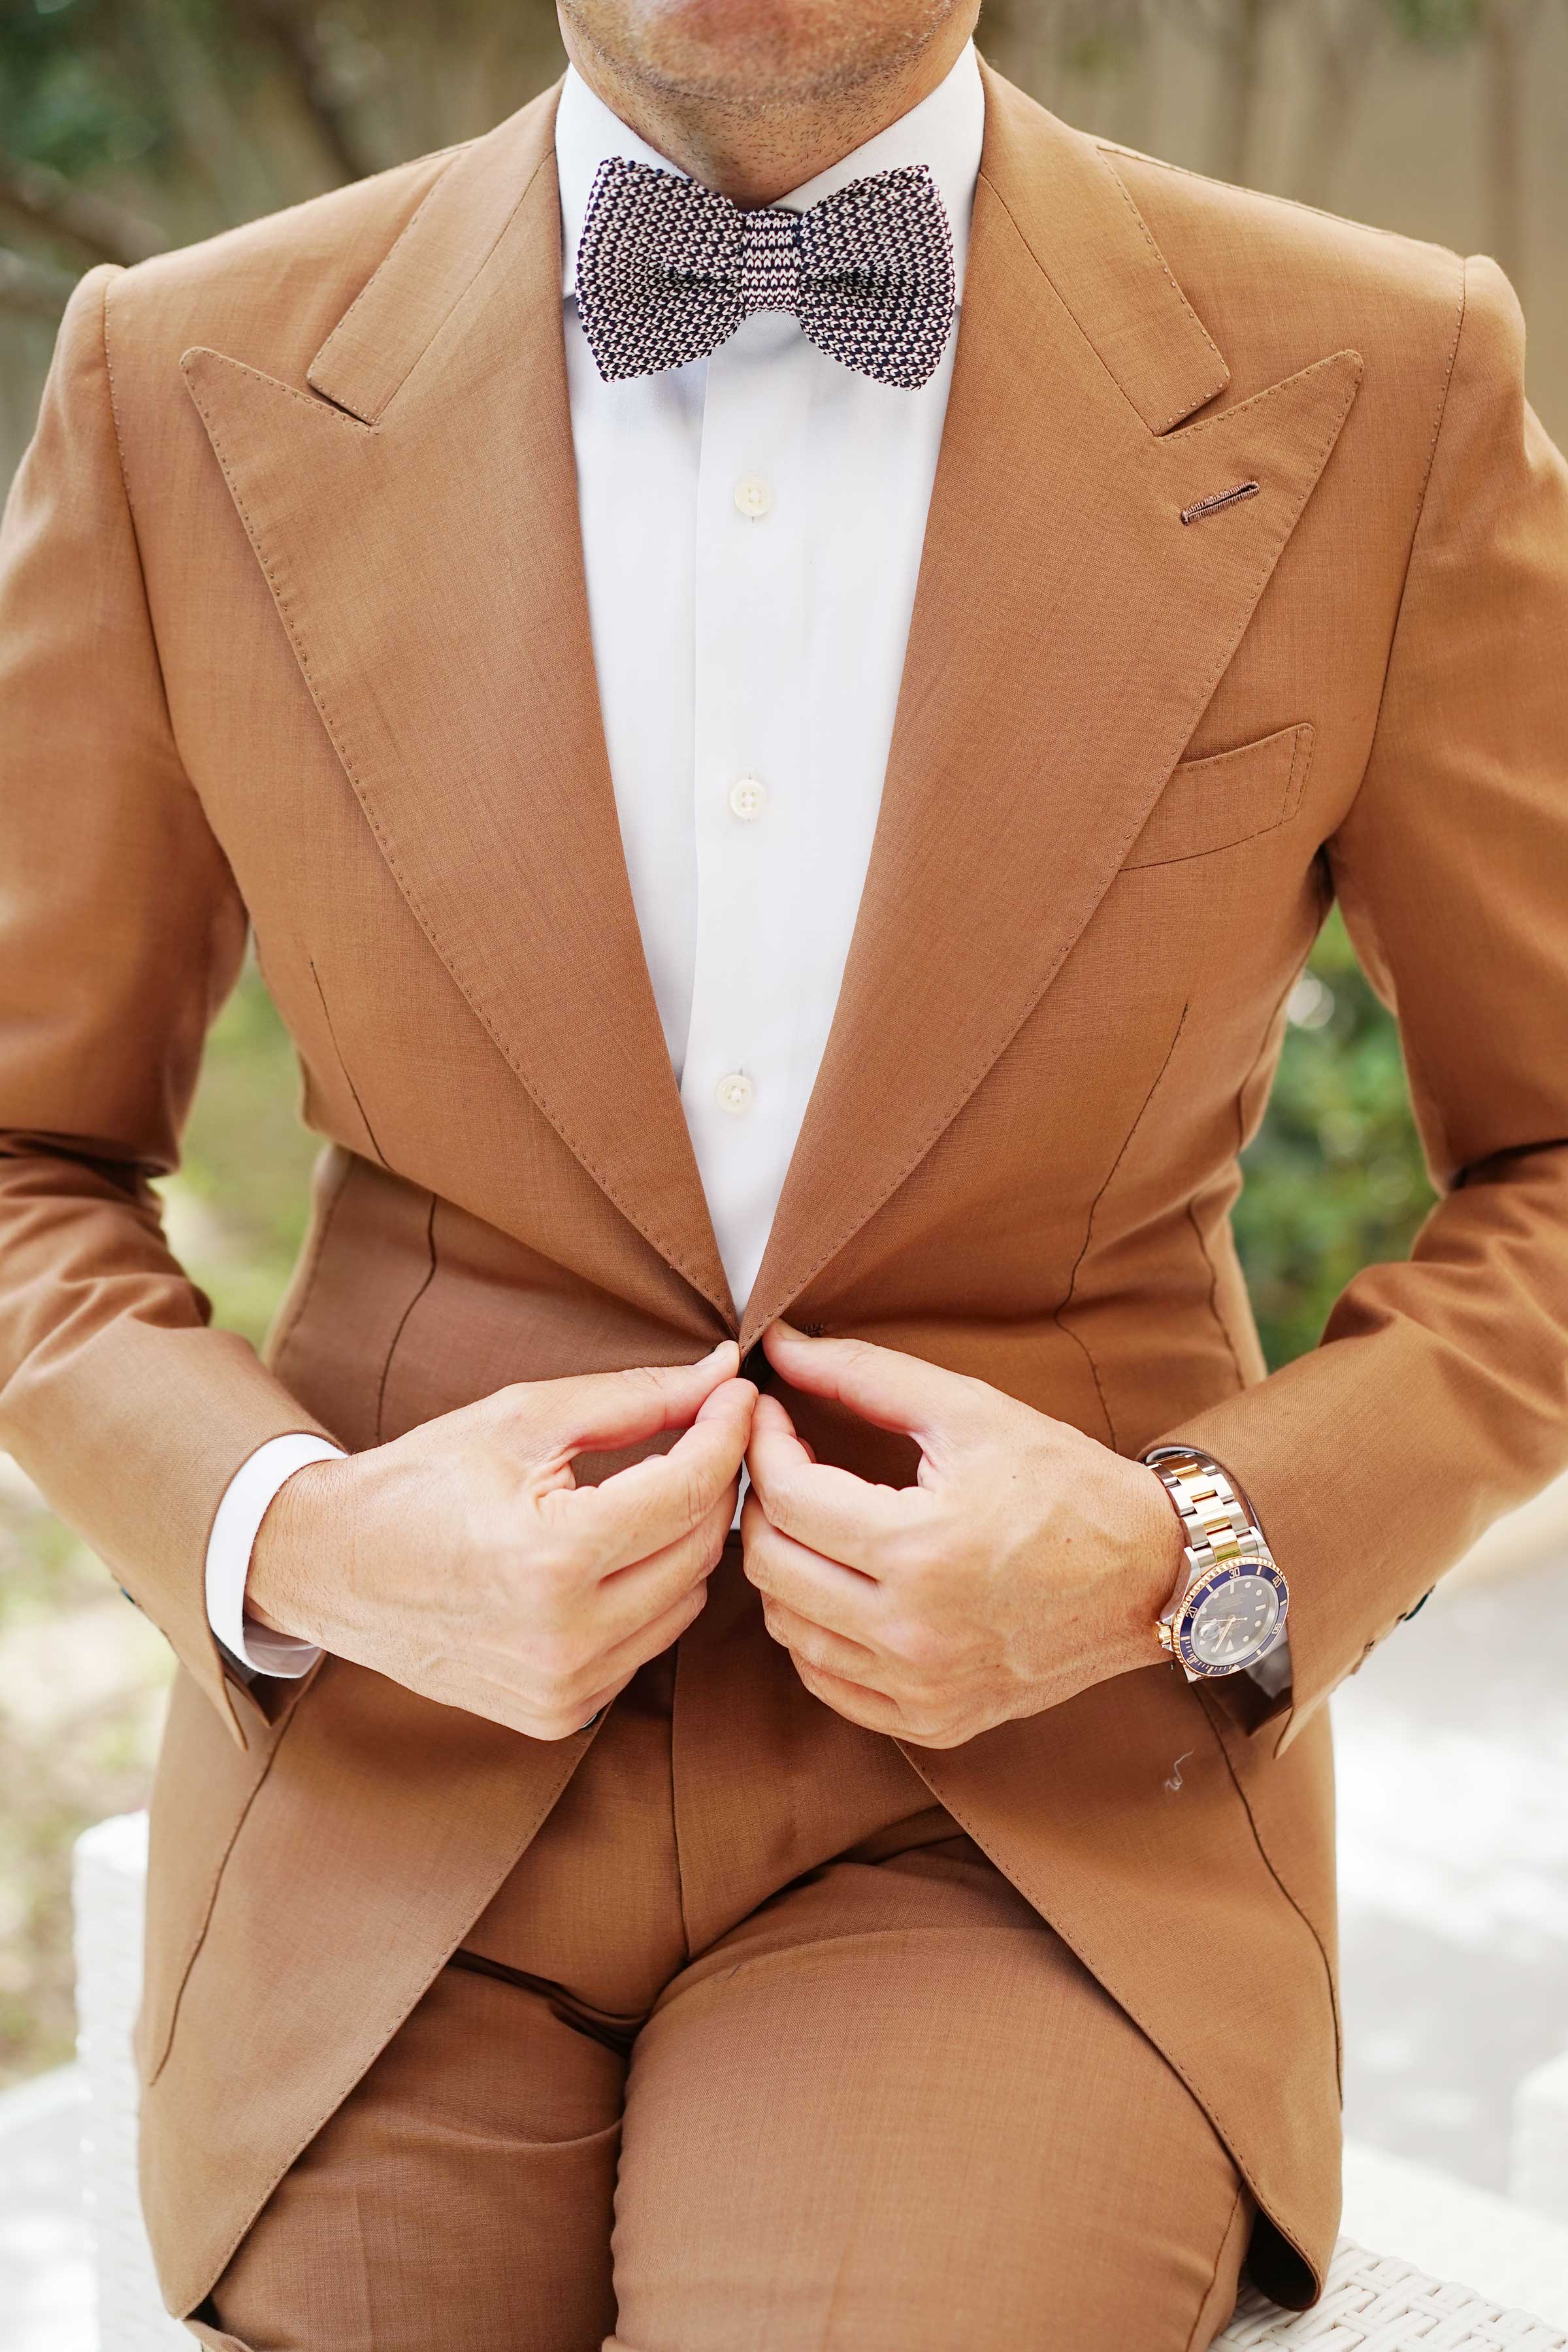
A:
1232	1617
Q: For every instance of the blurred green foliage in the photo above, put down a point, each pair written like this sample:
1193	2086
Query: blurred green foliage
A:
61	103
238	1207
1334	1179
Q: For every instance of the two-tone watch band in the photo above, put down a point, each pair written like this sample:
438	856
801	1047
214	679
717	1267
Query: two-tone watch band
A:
1215	1517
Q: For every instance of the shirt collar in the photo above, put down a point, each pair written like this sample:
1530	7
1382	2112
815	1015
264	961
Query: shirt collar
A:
944	131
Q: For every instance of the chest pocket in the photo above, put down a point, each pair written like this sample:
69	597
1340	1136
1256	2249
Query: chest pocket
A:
1233	797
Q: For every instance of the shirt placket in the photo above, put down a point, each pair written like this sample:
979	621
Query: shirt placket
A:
749	755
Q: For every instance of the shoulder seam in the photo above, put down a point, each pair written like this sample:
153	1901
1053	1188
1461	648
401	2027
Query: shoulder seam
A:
1427	471
113	399
1454	340
1416	526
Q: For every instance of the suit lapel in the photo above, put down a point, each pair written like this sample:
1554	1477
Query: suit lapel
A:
1068	630
418	522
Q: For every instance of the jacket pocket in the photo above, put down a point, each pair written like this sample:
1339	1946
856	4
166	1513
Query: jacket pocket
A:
1230	797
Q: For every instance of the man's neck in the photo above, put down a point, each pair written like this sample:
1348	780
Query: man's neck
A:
755	152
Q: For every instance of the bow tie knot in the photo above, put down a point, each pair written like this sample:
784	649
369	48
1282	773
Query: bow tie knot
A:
668	269
772	272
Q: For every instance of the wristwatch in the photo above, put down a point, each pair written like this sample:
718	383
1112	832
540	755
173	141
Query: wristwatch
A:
1231	1600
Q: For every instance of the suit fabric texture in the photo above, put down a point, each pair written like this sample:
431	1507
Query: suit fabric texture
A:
293	632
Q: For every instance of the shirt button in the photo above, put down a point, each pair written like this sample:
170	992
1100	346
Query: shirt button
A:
748	798
736	1093
754	497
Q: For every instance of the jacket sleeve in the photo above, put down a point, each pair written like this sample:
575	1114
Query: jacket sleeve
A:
1438	1396
121	931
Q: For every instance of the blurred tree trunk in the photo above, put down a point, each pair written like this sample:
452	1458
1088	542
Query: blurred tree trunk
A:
32	289
1342	38
47	201
1506	27
206	151
294	39
1239	39
1086	58
1236	33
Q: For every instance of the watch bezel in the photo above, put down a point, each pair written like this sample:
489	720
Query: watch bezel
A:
1210	1580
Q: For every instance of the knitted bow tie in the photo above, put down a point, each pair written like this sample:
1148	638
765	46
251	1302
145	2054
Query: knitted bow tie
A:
667	270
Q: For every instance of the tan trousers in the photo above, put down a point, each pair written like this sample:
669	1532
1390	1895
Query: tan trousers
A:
753	2049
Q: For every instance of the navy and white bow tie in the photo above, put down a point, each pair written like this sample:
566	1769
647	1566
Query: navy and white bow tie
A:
667	270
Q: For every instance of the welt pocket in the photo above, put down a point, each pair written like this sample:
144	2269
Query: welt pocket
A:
1230	797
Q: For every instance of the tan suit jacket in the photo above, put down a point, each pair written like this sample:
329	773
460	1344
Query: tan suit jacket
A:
294	630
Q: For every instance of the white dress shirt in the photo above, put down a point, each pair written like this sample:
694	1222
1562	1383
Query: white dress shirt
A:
751	530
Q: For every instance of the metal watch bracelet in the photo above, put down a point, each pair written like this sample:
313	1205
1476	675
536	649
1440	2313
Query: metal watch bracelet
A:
1216	1518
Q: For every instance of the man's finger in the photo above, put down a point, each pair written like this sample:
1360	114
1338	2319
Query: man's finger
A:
839	1597
601	1411
775	1443
833	1653
831	1510
853	1701
882	1385
637	1511
632	1596
616	1669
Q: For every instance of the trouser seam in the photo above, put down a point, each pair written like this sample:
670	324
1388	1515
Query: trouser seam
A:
675	1813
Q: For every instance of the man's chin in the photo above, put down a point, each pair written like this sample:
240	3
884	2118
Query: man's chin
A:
757	52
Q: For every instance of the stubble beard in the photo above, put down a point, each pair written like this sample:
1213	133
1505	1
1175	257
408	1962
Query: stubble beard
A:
747	60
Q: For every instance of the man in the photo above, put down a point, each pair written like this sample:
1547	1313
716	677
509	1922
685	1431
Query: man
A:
907	1923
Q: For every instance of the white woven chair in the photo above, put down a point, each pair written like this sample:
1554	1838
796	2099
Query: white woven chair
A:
1372	2302
110	1879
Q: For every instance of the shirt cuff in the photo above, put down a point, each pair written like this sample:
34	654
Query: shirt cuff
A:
234	1529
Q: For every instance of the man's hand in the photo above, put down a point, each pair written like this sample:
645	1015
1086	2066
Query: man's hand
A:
1027	1563
464	1561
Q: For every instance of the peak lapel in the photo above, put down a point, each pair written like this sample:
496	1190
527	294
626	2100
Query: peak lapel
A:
1069	631
417	523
